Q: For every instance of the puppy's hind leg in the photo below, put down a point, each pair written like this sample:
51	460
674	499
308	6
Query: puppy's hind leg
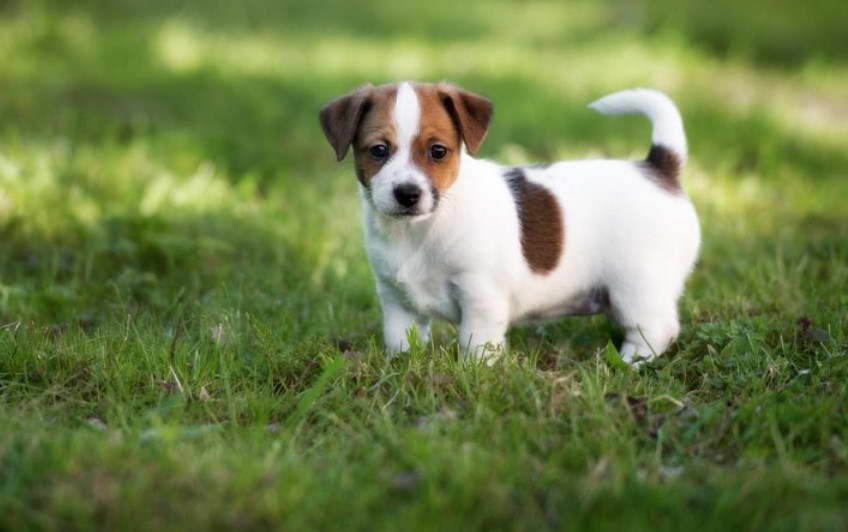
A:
650	324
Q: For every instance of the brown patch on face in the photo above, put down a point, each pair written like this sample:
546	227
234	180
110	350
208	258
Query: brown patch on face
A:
361	118
542	227
449	118
663	166
375	127
435	127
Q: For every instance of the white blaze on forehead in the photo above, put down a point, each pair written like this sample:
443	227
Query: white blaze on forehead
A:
400	169
406	115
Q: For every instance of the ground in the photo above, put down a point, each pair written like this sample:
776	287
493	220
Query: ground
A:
189	336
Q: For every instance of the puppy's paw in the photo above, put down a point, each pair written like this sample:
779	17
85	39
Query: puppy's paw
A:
488	353
635	357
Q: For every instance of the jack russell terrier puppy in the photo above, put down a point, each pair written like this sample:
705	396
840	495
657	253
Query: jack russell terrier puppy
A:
486	246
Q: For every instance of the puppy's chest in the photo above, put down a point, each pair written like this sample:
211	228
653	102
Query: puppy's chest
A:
420	276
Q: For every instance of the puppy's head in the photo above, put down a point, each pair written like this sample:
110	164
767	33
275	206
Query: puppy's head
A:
407	140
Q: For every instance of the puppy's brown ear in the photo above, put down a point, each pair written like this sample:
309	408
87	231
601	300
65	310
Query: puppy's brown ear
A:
470	112
341	117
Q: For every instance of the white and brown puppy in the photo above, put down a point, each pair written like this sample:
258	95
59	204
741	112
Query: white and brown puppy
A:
485	246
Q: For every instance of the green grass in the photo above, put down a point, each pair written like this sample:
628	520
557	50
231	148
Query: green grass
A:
189	336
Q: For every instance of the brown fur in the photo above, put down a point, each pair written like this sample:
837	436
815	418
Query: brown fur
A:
436	127
361	118
470	112
340	118
376	126
663	165
542	227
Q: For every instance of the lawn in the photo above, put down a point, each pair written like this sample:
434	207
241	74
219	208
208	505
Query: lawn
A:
189	335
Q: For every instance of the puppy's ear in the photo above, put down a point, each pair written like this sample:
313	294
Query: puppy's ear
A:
341	117
470	112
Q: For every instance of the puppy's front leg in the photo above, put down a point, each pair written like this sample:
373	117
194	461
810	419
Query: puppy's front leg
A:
398	320
485	318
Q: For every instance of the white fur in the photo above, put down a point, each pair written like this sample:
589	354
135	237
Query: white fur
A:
406	115
464	263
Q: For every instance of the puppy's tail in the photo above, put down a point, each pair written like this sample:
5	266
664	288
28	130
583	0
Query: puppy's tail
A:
668	142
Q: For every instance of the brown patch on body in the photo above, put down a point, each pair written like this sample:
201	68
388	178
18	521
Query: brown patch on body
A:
663	165
542	227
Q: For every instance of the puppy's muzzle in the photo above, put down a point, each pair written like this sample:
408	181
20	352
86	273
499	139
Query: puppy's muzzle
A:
407	194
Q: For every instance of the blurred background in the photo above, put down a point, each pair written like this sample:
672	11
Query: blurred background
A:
156	148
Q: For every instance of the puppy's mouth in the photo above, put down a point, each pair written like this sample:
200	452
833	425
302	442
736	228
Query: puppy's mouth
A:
409	213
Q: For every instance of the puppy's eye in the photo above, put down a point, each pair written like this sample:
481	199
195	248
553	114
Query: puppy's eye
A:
437	151
379	151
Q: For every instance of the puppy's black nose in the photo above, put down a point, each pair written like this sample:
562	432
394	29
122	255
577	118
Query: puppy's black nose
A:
407	194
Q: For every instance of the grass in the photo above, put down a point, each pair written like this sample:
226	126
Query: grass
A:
189	336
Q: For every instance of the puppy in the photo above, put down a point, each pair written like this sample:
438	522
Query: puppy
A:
486	246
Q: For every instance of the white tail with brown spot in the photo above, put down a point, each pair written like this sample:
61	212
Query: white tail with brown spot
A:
660	110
